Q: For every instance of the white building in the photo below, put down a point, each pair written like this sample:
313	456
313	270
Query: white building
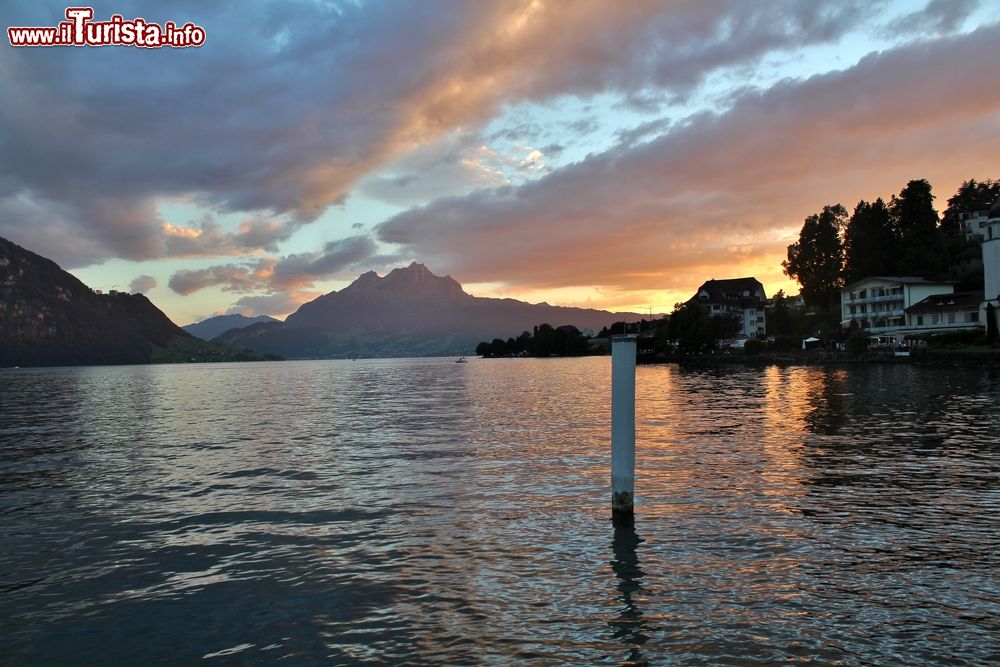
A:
897	306
972	223
990	229
951	312
879	303
742	298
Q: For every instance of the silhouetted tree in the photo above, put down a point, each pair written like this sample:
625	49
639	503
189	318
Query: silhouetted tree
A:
617	329
870	244
523	342
857	342
690	327
723	327
816	260
779	319
916	223
543	341
546	341
972	195
569	342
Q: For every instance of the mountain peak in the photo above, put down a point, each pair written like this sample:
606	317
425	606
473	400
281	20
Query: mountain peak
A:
415	270
413	282
213	327
417	280
367	277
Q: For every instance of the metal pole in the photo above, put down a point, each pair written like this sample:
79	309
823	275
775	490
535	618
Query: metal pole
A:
622	425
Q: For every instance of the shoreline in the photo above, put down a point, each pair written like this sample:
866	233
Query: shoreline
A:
946	358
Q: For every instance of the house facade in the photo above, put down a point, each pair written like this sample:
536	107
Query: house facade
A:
991	259
973	224
743	298
879	303
899	305
954	311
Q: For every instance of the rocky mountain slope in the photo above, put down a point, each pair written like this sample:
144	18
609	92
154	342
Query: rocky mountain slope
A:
50	318
214	327
409	312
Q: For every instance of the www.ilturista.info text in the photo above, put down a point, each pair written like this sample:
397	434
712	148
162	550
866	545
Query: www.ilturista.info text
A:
81	30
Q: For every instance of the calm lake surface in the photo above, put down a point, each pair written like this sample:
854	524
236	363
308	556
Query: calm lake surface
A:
422	511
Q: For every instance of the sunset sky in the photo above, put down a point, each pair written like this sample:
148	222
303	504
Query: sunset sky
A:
612	154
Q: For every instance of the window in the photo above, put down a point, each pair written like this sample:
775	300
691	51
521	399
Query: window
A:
920	320
972	317
760	320
951	318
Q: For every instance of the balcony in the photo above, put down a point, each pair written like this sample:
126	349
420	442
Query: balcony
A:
941	326
877	299
877	314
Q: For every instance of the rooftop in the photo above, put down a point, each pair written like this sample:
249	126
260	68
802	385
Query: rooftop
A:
743	290
995	210
947	302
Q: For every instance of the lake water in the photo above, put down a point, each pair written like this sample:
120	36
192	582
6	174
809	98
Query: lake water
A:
422	511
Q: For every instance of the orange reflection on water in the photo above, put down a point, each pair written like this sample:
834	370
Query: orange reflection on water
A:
786	406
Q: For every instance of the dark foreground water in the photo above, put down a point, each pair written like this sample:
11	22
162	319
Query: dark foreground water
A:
424	511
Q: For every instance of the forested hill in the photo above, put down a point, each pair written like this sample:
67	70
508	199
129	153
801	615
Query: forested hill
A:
50	318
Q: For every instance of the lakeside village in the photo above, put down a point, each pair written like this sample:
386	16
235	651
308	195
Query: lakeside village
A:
892	280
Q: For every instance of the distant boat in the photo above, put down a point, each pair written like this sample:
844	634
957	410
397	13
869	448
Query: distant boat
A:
461	360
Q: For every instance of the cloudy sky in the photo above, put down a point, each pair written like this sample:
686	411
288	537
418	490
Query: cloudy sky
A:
609	154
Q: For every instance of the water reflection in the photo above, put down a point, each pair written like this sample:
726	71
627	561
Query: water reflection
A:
422	511
630	628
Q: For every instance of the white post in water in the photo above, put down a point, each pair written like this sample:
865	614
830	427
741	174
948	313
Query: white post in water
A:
622	425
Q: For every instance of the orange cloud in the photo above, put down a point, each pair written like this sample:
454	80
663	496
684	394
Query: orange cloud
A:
288	127
666	214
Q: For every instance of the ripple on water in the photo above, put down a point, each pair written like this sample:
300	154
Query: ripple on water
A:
416	510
